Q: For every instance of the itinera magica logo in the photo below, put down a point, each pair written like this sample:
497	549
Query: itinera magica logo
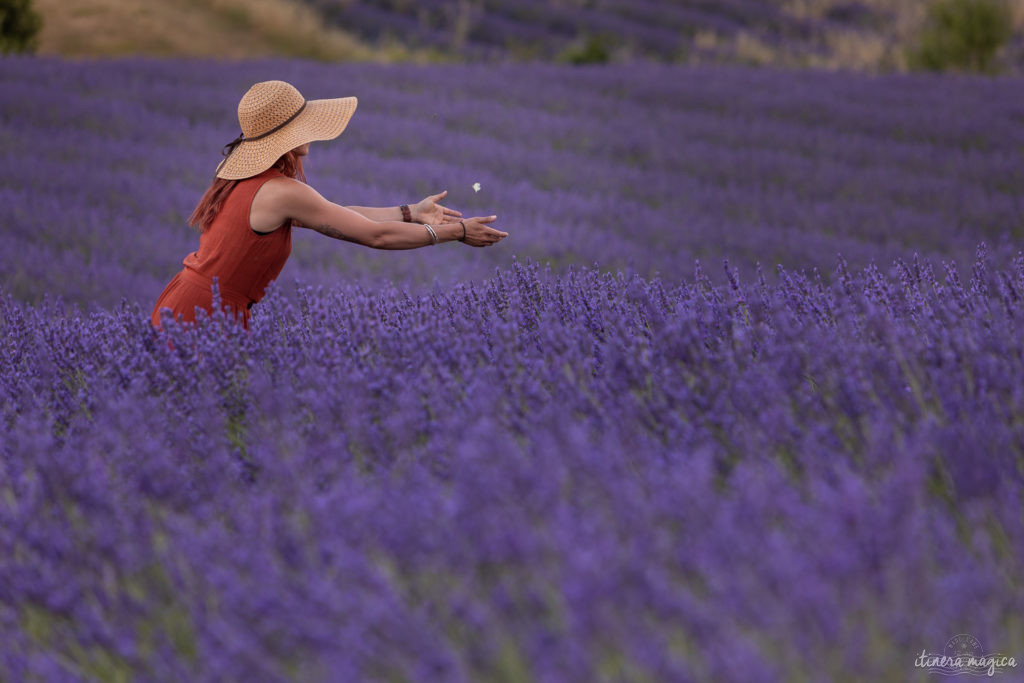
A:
964	654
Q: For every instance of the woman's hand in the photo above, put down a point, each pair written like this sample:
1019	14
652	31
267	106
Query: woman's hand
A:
479	234
429	211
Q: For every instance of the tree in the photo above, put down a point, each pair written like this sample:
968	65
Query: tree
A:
963	34
19	26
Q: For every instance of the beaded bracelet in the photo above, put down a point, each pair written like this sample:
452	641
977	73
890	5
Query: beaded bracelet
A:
433	235
406	213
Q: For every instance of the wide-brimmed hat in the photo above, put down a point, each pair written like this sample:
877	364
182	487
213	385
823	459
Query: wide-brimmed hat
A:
275	118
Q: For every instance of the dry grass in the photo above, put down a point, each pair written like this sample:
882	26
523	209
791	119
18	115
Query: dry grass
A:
231	29
239	29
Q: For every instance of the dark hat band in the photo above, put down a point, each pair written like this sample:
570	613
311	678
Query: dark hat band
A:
230	147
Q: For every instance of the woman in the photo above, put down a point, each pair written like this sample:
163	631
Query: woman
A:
259	193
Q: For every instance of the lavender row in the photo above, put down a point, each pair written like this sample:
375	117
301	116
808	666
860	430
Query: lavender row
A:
533	29
541	476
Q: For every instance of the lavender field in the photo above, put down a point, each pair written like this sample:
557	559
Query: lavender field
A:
595	452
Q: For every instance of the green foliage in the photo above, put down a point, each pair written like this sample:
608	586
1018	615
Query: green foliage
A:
963	35
596	49
19	26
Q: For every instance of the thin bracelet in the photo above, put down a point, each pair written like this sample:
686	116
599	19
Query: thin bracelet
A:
433	235
463	238
406	213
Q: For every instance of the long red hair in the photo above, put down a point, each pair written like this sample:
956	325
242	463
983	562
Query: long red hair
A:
212	200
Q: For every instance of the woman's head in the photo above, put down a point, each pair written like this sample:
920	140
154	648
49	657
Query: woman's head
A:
278	124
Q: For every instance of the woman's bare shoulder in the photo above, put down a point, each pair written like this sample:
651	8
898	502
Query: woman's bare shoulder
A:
287	194
279	199
283	187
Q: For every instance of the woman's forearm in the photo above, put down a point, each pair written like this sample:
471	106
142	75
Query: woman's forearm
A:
378	213
399	235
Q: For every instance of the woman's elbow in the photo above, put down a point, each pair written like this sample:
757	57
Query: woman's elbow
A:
379	235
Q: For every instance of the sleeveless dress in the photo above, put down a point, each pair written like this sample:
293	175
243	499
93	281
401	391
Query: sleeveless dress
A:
243	261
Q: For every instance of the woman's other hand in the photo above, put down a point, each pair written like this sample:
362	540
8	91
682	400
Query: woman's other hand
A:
479	234
429	211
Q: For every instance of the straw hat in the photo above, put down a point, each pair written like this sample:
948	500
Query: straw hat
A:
275	118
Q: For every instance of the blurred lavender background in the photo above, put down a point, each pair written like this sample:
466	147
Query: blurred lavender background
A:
739	399
638	167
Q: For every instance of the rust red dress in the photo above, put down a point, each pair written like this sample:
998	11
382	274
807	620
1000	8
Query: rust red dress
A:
243	261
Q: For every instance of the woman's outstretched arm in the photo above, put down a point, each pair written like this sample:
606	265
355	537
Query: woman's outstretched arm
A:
378	213
427	210
283	198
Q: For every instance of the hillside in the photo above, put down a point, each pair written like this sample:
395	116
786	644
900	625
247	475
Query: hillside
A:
194	28
863	35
